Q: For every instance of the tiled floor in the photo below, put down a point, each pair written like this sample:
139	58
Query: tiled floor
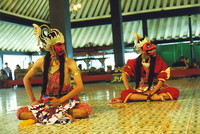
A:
170	117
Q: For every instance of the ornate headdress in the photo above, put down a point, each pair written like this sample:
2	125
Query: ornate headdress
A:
144	45
48	37
140	41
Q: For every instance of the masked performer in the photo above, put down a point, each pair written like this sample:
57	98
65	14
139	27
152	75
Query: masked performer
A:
150	73
59	102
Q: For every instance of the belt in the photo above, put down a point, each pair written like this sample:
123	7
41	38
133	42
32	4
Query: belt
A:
56	95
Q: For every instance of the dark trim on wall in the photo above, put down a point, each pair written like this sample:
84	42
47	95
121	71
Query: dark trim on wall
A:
101	48
141	16
175	40
18	20
163	14
14	53
104	21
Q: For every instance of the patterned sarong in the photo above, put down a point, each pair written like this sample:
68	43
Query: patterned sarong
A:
47	114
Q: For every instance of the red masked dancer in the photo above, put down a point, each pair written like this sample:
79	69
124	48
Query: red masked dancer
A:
59	102
150	73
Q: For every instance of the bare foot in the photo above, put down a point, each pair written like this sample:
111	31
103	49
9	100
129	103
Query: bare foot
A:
115	100
70	117
157	97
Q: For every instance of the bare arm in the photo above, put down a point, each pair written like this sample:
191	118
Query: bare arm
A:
27	79
126	81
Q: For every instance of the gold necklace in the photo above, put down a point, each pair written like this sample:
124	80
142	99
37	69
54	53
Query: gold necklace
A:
54	66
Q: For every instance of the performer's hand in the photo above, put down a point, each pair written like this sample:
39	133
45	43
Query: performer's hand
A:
54	101
36	102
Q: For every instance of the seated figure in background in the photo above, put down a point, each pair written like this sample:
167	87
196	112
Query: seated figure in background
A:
30	65
59	102
3	78
17	70
150	73
182	62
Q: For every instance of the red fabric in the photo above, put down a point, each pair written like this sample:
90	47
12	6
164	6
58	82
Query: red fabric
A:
162	75
160	65
129	67
174	92
54	83
125	93
159	70
186	71
85	107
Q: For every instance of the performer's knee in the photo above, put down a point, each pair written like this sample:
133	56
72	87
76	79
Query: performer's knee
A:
20	111
84	109
78	113
175	93
172	92
125	93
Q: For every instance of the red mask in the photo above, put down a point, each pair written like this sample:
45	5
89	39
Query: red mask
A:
59	48
149	48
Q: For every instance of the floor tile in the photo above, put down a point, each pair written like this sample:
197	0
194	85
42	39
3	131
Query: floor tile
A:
169	117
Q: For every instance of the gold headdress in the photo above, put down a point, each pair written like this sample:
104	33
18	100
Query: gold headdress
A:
48	37
140	41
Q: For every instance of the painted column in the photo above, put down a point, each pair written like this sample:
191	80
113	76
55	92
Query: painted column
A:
145	27
1	62
60	19
117	32
191	39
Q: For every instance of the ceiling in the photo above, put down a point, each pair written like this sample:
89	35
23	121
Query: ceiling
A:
167	20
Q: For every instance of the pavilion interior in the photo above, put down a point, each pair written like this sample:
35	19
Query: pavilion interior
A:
173	25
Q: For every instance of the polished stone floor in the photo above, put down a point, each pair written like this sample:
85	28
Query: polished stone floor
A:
170	117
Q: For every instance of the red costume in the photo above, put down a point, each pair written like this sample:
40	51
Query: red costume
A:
161	72
146	68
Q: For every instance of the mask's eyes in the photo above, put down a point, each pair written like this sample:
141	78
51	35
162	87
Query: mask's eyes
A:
59	44
148	45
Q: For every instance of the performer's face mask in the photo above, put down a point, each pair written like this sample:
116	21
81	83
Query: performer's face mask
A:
149	48
59	48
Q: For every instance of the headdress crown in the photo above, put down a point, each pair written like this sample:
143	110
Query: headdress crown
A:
140	41
48	36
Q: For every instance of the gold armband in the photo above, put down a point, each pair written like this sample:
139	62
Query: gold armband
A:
76	73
